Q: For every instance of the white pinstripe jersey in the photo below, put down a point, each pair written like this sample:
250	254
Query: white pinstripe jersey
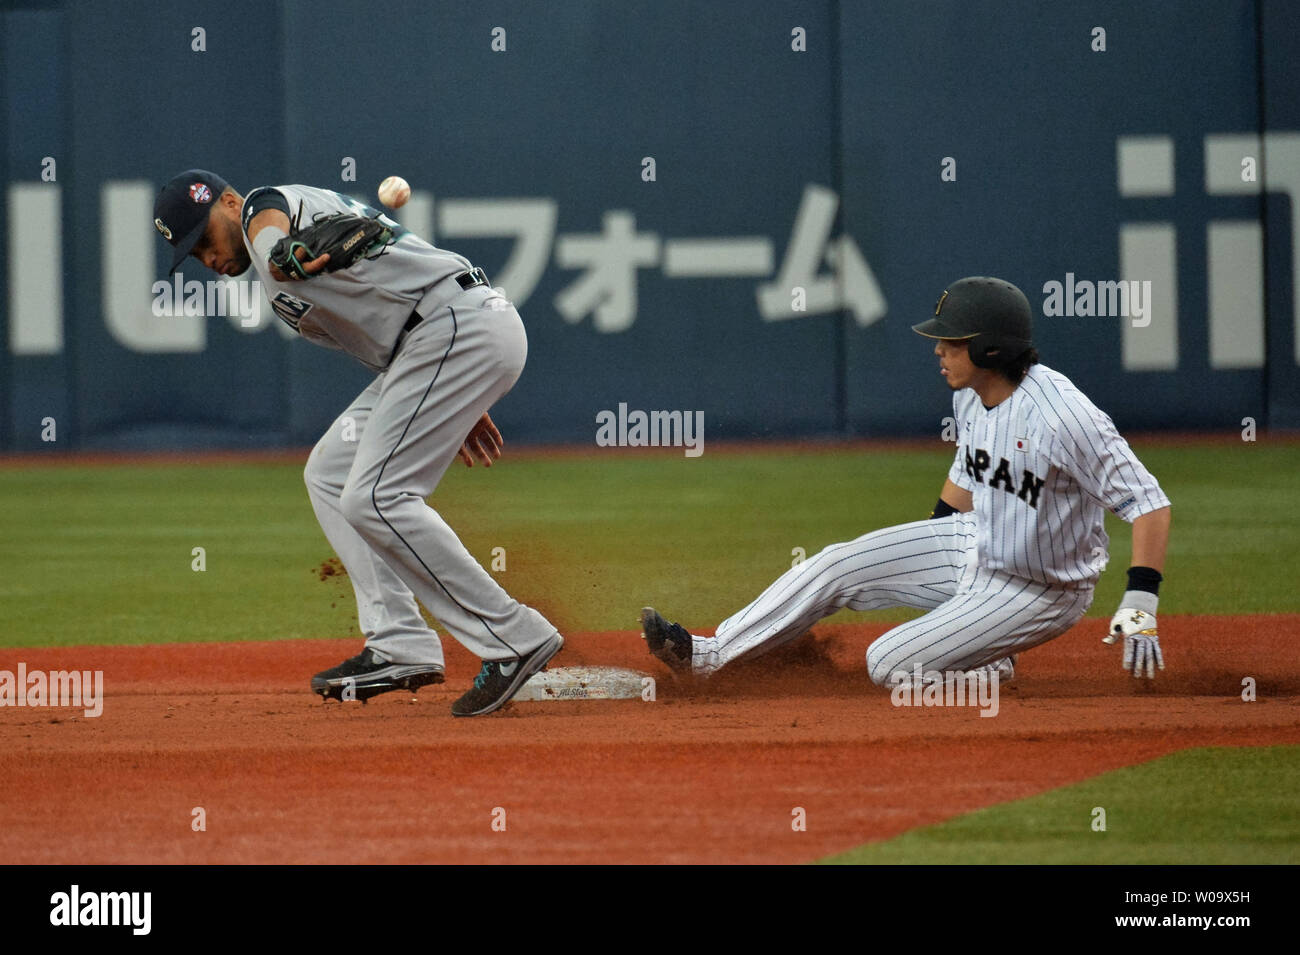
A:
1041	467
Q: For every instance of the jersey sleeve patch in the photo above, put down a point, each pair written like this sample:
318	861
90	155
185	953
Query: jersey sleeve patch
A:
1123	507
290	309
261	199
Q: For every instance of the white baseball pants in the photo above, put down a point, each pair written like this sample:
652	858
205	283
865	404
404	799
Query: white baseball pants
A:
977	616
369	493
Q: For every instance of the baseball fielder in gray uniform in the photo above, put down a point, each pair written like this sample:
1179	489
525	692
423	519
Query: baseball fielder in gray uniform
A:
1015	545
445	346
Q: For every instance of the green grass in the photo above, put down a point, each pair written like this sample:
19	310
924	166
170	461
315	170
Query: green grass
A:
103	555
1213	806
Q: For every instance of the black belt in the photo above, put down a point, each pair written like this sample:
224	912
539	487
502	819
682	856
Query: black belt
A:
472	278
466	280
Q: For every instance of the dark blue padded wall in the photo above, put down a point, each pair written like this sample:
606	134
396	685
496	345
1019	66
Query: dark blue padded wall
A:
782	178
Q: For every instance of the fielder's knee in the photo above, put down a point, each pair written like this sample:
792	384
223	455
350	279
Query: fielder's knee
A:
359	508
375	512
316	475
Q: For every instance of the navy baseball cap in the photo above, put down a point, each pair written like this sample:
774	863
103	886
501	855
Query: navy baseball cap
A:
180	213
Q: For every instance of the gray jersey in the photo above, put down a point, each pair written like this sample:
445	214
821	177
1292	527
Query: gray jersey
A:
1043	467
360	310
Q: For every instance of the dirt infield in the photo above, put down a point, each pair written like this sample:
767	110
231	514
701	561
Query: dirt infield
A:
708	773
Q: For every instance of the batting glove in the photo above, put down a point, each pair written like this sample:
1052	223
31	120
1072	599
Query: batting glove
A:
1141	642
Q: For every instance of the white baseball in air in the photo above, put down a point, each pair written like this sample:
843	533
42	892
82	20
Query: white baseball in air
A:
394	191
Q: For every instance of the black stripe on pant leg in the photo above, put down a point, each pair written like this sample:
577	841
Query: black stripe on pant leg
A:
378	477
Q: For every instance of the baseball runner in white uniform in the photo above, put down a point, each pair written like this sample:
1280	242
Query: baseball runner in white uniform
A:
445	346
1011	554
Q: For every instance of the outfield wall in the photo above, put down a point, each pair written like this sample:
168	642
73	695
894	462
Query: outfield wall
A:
909	144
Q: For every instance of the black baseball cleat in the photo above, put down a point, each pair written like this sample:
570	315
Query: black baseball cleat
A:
499	680
368	674
669	642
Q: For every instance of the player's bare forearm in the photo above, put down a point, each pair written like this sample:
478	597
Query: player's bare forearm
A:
1150	539
957	497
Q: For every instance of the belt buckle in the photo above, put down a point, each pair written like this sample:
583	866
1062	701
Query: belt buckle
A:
472	279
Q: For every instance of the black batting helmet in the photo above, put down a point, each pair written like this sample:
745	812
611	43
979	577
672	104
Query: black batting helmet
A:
992	313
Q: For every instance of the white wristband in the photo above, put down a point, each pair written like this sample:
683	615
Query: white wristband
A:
266	240
1139	600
